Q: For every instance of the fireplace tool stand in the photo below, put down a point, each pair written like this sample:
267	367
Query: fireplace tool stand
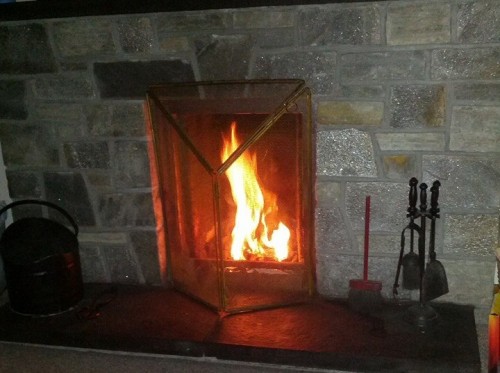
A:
429	278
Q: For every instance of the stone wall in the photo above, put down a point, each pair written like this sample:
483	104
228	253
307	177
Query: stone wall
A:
400	89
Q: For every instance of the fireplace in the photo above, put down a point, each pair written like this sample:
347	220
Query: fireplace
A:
235	171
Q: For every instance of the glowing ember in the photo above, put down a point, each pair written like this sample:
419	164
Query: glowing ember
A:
257	232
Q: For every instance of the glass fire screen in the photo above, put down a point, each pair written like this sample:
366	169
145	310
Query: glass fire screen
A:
235	169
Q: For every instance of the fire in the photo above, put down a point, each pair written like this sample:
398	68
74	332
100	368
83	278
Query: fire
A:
257	231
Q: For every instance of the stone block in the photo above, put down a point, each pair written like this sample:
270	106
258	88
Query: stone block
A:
126	210
174	44
135	34
424	23
70	192
425	141
358	91
192	21
99	179
25	50
470	281
345	153
146	250
316	68
64	86
478	21
87	154
272	18
477	91
103	238
417	106
24	184
273	38
399	167
467	182
223	57
476	63
389	244
350	112
388	205
140	76
121	265
470	235
328	25
39	148
93	268
84	37
131	164
59	113
381	66
475	129
331	231
328	194
12	100
115	120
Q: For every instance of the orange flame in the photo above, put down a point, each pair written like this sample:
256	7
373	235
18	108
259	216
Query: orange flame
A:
257	232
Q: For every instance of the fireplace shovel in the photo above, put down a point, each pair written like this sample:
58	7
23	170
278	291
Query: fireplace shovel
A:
435	282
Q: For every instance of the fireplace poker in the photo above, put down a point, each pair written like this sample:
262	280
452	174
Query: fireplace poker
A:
364	294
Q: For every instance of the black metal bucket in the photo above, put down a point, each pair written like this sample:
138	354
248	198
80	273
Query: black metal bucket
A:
41	263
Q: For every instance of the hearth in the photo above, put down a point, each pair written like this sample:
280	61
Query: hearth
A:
234	164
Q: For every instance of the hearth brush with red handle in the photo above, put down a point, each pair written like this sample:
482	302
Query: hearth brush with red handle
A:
365	295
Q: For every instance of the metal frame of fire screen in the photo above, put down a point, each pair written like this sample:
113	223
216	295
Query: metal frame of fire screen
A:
307	169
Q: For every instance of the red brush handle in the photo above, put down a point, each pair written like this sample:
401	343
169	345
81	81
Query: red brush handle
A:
367	237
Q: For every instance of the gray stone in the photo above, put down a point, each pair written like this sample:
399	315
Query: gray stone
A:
24	184
475	129
120	264
316	68
103	238
126	210
135	34
100	179
350	112
379	243
470	235
87	154
68	190
319	26
478	22
418	106
273	38
171	22
175	43
478	63
469	281
38	146
345	153
131	164
358	91
12	100
383	66
59	113
25	50
467	182
224	57
399	166
64	86
140	76
477	91
93	269
425	23
83	37
388	205
146	250
331	231
328	194
433	141
115	120
255	18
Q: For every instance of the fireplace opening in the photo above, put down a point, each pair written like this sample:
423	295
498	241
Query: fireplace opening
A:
234	164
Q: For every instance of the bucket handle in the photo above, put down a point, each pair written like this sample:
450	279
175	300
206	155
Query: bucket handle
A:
45	203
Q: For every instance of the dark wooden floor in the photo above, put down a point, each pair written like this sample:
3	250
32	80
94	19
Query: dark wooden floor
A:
321	333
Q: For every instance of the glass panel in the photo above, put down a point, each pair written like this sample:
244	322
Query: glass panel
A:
237	179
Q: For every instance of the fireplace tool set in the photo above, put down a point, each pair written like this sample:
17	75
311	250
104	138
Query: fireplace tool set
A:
429	278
